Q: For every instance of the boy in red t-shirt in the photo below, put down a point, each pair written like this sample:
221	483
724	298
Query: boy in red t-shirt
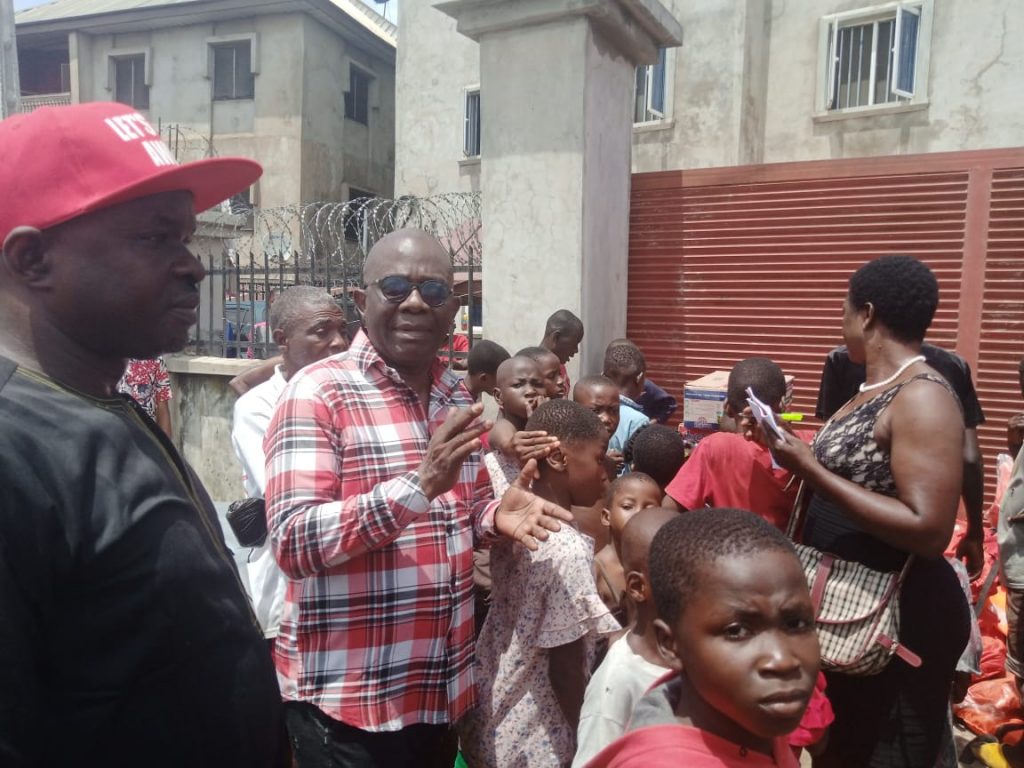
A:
726	469
736	626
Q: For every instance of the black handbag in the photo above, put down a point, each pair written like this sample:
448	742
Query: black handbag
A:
248	521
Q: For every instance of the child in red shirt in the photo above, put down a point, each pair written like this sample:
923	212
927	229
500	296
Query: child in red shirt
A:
726	469
736	625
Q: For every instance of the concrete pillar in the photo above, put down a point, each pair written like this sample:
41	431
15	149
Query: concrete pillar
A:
556	84
10	87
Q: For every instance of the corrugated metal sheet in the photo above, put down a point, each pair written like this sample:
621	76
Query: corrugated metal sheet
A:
1002	325
729	263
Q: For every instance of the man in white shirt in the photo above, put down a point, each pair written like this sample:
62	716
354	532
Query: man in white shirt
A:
307	325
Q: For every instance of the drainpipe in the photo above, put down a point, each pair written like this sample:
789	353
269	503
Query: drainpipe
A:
10	86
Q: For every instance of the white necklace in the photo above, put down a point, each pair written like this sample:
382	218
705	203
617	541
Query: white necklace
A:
868	387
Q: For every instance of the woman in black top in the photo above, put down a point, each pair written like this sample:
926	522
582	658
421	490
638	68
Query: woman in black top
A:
885	472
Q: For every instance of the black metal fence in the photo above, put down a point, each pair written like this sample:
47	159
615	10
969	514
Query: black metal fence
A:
250	257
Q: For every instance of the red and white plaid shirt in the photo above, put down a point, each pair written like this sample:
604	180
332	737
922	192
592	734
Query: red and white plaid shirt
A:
378	621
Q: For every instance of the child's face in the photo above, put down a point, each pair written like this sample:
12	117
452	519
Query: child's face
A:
520	388
551	373
630	382
604	401
586	474
629	498
746	642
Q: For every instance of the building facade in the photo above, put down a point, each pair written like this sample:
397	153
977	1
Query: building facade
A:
755	81
306	87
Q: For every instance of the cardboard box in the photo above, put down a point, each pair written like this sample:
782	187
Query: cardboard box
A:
704	402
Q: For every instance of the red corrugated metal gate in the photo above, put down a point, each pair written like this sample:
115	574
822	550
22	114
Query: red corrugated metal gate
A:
726	263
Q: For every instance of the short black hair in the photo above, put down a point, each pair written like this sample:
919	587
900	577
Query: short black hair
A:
293	302
903	291
485	357
563	321
535	353
624	357
568	421
760	374
657	450
685	548
629	477
593	381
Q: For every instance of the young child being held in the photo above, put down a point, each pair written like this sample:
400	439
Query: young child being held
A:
626	497
537	645
518	391
726	469
736	626
633	663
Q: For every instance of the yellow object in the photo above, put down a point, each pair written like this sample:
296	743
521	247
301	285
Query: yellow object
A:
791	416
991	754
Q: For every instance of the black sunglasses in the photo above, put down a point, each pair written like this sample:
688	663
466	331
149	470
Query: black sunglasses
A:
396	289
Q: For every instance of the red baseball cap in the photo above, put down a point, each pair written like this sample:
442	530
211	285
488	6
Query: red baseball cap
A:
58	163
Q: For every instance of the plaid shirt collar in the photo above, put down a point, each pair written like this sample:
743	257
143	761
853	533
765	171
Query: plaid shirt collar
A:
443	382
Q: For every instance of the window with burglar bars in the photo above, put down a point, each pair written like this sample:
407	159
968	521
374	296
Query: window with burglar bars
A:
471	137
649	103
232	71
873	57
130	81
357	97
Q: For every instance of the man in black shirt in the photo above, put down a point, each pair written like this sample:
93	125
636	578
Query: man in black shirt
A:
840	379
126	638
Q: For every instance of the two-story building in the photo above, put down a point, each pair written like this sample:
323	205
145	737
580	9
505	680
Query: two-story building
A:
755	81
306	87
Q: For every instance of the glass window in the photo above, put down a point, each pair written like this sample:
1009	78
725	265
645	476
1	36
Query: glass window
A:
232	71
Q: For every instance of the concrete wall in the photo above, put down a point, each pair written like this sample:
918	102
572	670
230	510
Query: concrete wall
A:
747	75
339	153
974	86
744	90
201	412
435	64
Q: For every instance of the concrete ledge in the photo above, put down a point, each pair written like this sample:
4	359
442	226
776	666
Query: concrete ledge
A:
637	27
654	125
209	366
873	111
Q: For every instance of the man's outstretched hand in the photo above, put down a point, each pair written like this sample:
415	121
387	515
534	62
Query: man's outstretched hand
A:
449	447
524	516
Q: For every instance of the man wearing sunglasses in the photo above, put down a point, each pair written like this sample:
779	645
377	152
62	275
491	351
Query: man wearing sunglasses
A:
376	494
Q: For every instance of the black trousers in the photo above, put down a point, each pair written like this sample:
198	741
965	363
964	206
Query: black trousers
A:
319	741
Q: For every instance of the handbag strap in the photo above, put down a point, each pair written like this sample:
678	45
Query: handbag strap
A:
797	512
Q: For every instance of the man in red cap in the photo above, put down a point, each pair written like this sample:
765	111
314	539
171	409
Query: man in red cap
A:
126	636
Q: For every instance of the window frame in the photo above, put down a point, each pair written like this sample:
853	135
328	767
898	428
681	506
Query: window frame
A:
237	76
354	68
224	41
467	92
663	116
116	55
829	28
